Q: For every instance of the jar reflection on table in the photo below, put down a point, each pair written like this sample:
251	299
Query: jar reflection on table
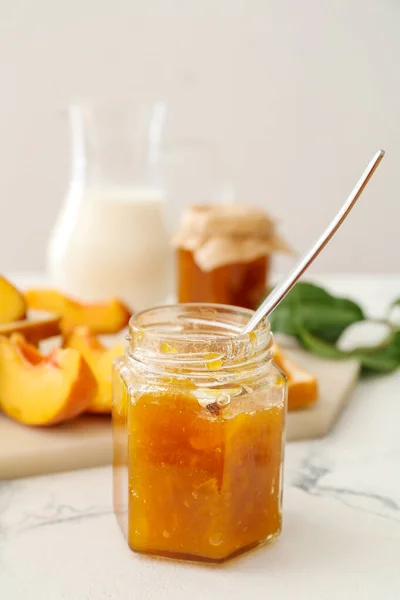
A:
198	421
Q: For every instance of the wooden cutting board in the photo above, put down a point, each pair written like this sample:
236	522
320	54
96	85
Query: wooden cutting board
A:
86	441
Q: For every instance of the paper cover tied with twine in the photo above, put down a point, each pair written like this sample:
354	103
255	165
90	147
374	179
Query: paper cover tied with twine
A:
223	234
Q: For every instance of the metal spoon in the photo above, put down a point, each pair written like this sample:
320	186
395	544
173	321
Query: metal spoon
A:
280	291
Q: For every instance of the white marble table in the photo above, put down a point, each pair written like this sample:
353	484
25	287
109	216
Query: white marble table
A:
341	539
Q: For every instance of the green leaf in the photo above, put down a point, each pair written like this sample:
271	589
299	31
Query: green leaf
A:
320	347
317	319
316	311
384	358
393	312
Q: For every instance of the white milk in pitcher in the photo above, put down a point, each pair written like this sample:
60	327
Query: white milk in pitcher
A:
112	242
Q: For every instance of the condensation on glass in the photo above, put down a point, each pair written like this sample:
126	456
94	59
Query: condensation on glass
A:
198	425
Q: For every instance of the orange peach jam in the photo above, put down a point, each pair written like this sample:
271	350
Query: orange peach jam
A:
239	283
198	434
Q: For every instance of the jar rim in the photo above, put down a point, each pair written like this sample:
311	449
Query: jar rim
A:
190	340
205	309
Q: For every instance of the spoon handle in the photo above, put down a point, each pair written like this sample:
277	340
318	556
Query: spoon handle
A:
280	291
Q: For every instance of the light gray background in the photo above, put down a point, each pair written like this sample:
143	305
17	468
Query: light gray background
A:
298	96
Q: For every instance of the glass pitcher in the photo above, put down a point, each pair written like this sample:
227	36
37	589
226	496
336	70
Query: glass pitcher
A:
110	237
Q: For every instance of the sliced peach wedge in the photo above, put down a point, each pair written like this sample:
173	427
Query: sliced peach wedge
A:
12	302
302	386
99	358
33	330
43	390
100	317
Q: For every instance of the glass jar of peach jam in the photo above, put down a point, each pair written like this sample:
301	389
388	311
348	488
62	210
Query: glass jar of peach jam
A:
198	424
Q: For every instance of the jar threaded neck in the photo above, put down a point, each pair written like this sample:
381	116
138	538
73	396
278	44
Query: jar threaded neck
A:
199	340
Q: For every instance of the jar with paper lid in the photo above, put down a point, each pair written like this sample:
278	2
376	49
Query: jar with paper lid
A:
224	254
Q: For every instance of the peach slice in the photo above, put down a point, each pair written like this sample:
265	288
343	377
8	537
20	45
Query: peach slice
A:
99	358
12	302
100	317
43	390
35	330
302	386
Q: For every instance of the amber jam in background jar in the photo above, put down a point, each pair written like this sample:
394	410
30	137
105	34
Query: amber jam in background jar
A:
223	254
239	284
198	425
